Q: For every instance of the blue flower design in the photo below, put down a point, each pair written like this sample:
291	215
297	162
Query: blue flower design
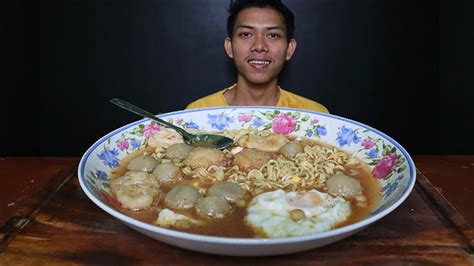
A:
219	121
135	143
257	121
309	133
321	130
347	136
191	125
388	189
109	157
101	175
373	153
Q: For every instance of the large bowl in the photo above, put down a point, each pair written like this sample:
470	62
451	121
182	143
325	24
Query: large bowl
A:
391	166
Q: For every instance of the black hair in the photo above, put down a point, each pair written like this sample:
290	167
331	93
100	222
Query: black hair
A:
236	6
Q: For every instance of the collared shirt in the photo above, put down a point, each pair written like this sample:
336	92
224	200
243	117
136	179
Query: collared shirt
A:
287	99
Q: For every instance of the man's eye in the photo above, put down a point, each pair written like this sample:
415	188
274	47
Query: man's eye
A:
245	34
274	35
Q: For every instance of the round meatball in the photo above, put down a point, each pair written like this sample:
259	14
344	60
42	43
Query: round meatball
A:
178	150
136	190
142	163
204	157
182	196
228	190
212	207
249	159
342	185
166	173
292	148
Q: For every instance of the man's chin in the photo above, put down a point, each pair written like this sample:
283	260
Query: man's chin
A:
259	81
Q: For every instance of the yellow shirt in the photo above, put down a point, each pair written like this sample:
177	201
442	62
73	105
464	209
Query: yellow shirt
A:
287	99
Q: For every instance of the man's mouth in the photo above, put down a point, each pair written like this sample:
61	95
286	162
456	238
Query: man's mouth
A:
259	63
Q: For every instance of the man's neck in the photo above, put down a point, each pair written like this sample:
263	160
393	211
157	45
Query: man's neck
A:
249	94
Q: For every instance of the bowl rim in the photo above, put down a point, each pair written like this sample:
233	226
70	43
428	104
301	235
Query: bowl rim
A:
246	241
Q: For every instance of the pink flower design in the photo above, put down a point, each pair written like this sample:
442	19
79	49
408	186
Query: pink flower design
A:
122	145
150	129
367	143
179	121
385	166
314	121
244	118
283	124
111	200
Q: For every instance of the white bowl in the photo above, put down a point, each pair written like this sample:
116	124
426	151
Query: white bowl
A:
391	164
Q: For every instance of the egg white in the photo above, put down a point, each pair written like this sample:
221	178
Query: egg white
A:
269	213
168	218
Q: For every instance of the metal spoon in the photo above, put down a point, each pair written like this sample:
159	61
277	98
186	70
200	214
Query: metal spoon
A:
201	140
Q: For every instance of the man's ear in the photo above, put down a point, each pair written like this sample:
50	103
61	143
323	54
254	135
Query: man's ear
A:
291	49
228	47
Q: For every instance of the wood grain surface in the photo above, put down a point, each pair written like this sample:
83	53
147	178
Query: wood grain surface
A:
70	229
23	177
452	176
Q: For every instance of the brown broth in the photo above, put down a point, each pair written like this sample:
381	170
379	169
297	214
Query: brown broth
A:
234	225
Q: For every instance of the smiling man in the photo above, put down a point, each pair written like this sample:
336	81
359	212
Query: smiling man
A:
260	41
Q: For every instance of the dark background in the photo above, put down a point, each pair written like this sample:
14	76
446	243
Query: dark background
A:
404	67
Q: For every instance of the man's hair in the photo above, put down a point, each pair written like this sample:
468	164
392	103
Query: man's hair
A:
236	6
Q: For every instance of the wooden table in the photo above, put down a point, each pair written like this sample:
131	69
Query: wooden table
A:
45	218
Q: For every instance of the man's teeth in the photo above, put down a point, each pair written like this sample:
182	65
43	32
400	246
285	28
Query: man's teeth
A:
259	62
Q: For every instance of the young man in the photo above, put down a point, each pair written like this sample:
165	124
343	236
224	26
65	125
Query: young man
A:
260	41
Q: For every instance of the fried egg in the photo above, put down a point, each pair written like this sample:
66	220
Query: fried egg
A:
283	214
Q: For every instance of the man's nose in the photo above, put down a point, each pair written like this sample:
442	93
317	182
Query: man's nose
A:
260	44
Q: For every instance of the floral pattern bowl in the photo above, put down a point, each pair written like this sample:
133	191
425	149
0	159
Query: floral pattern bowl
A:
391	165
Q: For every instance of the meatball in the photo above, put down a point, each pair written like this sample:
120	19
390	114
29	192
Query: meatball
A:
292	148
178	150
270	143
249	159
136	190
228	190
212	207
182	196
166	173
342	185
142	163
205	157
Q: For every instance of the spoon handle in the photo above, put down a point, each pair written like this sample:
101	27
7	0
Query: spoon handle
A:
137	110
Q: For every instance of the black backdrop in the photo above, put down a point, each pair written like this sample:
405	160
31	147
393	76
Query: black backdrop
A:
400	66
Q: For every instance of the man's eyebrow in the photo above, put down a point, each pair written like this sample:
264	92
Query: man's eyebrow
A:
268	28
245	26
276	28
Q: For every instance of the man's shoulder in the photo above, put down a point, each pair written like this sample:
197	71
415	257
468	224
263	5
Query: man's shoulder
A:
296	101
214	99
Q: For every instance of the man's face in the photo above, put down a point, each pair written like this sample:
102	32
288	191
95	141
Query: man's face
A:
259	45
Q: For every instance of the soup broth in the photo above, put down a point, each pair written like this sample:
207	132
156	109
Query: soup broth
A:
234	223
